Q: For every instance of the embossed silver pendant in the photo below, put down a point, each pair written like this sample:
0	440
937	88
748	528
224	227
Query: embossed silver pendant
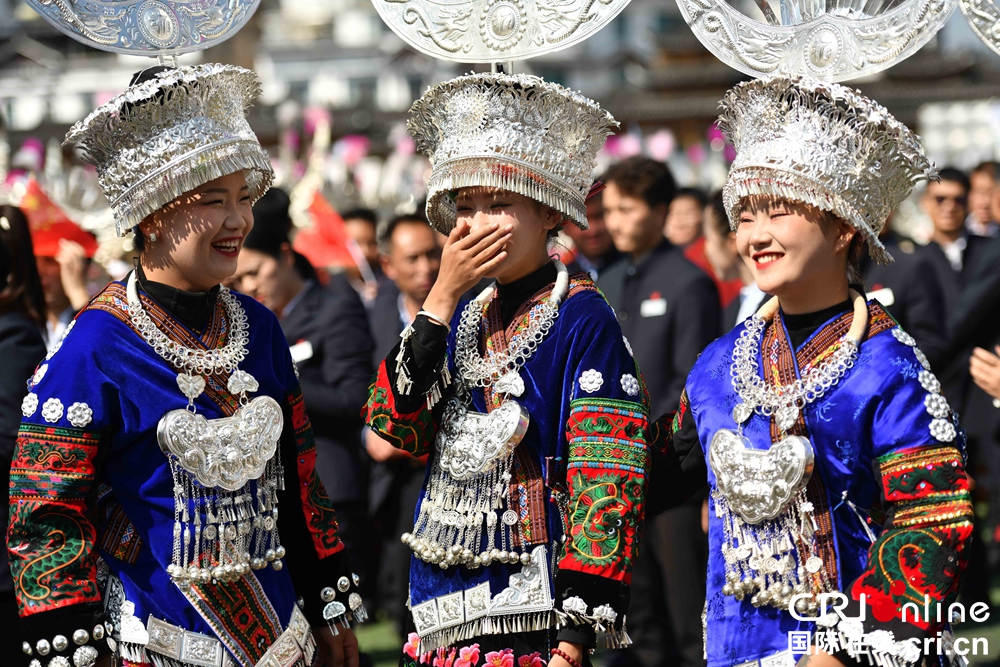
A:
225	452
786	417
147	27
759	483
510	383
472	443
486	31
835	42
742	412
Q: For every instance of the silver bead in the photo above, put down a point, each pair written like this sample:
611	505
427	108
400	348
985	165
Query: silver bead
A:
327	594
525	558
270	555
43	647
277	565
98	632
60	643
26	647
280	551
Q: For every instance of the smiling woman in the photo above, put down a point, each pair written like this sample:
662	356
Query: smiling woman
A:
176	412
819	409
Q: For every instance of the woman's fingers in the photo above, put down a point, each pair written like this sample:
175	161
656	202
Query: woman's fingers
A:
474	236
489	251
458	232
489	239
491	264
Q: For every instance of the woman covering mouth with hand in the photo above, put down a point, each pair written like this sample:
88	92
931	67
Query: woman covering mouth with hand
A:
836	466
164	431
526	398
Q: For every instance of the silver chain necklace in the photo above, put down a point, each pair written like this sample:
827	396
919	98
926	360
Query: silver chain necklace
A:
192	361
786	401
501	368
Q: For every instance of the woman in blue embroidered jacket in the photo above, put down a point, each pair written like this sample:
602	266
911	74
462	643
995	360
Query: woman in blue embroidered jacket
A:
163	432
835	464
526	399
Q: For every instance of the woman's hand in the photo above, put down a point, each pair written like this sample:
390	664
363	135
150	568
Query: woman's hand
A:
572	649
335	651
468	256
984	366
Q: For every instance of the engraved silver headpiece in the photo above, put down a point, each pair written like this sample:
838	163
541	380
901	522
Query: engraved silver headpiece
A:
171	134
514	132
824	145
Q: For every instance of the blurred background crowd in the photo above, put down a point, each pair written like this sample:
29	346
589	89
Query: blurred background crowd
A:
341	254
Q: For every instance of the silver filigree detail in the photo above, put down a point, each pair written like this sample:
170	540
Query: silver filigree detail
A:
79	414
226	452
52	410
843	44
575	605
984	19
759	483
190	385
196	132
486	31
29	404
39	374
591	380
922	358
148	27
85	656
518	133
241	382
628	346
778	126
630	385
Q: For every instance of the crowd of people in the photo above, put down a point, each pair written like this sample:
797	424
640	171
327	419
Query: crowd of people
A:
666	260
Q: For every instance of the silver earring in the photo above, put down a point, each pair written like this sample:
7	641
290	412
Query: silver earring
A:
152	237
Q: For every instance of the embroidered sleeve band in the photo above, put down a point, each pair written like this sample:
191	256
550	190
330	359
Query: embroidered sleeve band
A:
411	432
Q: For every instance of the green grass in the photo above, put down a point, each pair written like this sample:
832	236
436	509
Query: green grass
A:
379	639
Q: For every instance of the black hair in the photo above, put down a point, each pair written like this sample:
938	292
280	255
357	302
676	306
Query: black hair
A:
695	193
990	168
365	214
643	178
271	223
386	231
956	176
20	286
720	217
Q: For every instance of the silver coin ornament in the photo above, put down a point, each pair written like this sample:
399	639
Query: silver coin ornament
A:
81	637
356	579
343	584
148	27
327	594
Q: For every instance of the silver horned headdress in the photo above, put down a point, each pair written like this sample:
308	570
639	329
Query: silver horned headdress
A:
824	145
171	134
513	132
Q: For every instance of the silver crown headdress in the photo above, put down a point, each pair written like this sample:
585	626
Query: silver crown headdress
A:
824	145
513	132
171	134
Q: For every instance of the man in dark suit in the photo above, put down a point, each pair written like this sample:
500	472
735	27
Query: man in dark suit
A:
669	311
410	258
331	345
595	250
975	331
909	290
951	253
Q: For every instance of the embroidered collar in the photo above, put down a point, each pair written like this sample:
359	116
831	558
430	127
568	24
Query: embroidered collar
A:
192	308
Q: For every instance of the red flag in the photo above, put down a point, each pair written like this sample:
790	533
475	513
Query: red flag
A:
325	243
49	224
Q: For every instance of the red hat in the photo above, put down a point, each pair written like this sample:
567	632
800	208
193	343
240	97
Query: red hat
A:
49	224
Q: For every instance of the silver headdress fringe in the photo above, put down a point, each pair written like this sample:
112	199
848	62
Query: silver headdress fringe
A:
513	132
171	134
824	145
